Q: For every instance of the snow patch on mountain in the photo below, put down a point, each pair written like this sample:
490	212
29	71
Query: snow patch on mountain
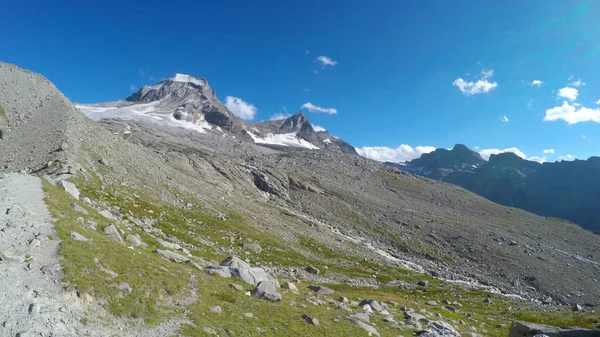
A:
144	112
186	78
284	139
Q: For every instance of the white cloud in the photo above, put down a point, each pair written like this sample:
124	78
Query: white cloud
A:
576	83
568	93
598	101
132	88
536	83
485	154
572	114
238	107
306	90
586	138
540	160
326	61
548	151
505	119
318	128
400	154
279	116
568	157
482	85
313	108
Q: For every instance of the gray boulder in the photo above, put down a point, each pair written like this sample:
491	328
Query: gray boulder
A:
254	275
370	329
78	237
438	329
112	232
373	304
321	290
78	208
363	316
312	270
70	188
253	247
135	240
220	270
235	262
266	291
526	329
172	256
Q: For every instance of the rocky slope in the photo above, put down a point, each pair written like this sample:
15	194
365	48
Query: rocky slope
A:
566	190
356	247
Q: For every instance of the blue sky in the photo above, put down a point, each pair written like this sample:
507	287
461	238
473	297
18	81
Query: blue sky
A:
402	76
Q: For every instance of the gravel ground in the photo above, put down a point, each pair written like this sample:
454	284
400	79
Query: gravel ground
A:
32	300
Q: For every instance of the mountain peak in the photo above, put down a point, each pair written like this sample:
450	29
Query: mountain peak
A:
460	147
188	79
296	123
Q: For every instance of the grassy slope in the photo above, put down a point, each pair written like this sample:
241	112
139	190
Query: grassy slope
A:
158	284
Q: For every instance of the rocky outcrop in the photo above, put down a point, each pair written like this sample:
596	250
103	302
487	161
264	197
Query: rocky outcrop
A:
526	329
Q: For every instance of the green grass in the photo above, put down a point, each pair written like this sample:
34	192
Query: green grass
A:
158	283
150	276
2	112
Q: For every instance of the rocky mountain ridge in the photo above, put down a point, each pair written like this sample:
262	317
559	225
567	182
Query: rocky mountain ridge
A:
566	189
189	102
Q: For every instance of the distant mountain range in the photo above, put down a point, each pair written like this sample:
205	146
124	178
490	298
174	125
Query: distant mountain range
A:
189	102
568	189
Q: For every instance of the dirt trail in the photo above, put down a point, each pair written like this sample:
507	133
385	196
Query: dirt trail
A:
32	301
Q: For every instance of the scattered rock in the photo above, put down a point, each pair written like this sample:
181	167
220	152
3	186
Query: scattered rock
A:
172	256
78	237
112	232
363	316
266	291
312	270
423	283
124	286
371	330
321	290
343	299
470	334
135	240
78	208
107	214
215	310
432	303
525	329
311	320
438	329
209	331
291	287
236	286
253	247
34	243
50	269
414	316
373	304
70	188
577	307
